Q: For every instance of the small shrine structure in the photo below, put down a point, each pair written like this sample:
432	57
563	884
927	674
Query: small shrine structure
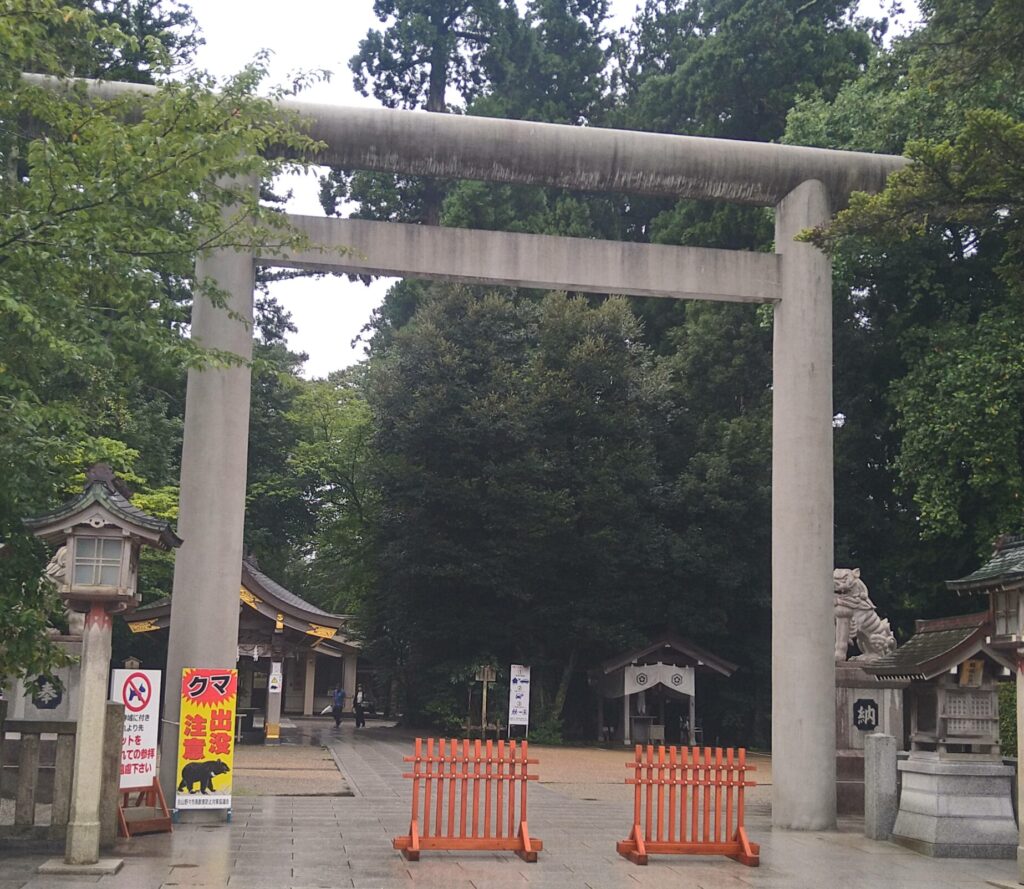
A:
291	654
956	797
657	685
953	674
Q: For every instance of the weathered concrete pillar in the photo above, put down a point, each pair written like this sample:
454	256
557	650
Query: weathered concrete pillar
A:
208	566
349	664
880	799
83	838
803	638
309	685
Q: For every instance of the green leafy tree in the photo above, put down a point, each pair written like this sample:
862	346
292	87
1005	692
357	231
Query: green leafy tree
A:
517	485
955	389
334	459
157	31
107	203
278	518
429	51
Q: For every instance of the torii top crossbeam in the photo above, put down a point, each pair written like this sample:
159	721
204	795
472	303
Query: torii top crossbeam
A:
455	146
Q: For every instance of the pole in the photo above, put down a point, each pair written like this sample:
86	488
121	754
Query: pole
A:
83	837
483	710
803	636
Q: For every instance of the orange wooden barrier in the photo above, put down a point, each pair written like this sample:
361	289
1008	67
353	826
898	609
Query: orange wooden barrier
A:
678	805
475	787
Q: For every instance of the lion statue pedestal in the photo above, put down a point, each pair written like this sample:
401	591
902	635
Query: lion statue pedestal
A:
863	703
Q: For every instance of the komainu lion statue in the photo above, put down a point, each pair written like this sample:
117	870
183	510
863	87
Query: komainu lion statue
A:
56	571
856	619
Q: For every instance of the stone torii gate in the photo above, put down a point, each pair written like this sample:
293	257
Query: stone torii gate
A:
804	185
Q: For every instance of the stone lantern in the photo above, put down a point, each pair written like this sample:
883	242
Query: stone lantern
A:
100	533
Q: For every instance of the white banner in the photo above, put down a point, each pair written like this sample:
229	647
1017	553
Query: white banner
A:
519	695
139	691
679	679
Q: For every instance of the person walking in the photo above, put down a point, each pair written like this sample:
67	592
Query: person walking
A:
338	705
360	715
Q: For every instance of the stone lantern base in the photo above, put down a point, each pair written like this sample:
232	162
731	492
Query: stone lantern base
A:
956	807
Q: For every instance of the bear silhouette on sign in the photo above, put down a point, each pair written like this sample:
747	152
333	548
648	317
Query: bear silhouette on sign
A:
201	773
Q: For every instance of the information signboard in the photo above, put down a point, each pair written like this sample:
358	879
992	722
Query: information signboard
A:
139	691
519	695
206	738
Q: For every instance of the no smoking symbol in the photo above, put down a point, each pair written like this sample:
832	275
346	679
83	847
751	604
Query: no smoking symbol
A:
136	692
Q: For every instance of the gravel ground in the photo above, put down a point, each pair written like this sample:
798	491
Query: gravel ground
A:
595	773
287	770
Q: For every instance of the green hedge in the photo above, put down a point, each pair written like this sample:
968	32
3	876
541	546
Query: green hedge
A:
1008	718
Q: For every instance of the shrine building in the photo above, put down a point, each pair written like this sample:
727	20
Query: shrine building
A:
314	649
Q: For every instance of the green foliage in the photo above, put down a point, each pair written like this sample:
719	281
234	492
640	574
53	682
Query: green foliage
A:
516	482
1008	718
107	203
550	732
942	245
334	460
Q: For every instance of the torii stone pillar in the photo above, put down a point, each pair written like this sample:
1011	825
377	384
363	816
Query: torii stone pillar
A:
803	666
207	567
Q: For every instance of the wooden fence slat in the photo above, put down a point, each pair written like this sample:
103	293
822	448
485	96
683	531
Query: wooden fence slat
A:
718	795
729	757
702	774
428	786
439	796
451	786
499	819
465	786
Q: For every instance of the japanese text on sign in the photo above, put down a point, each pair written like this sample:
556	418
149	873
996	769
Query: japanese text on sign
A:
206	738
139	691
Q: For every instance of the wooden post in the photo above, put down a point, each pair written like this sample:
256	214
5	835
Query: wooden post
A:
28	779
64	767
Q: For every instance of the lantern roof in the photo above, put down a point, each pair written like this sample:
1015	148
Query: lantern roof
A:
106	500
1005	568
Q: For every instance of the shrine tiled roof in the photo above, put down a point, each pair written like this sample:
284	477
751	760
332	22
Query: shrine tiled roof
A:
1004	568
256	581
278	591
671	649
936	647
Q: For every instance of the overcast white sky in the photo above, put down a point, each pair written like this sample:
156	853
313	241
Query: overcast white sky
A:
306	35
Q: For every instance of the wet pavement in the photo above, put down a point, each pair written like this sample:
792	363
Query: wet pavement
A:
274	842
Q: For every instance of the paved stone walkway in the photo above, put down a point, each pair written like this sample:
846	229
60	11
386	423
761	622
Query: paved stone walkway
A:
278	842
